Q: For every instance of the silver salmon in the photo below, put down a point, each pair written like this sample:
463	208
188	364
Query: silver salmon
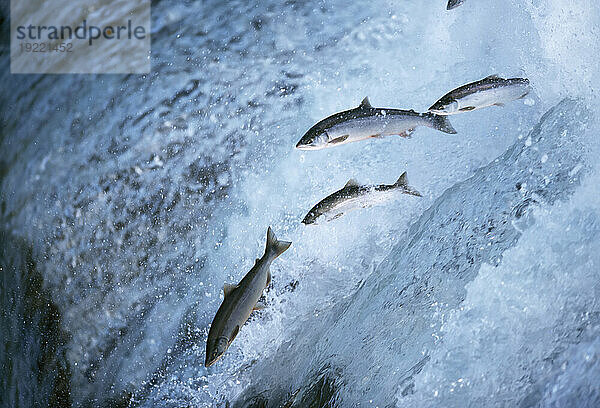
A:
354	195
365	122
489	91
240	300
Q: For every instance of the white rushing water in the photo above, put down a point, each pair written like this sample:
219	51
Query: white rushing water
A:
141	196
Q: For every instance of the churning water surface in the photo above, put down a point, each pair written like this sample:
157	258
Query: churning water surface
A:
126	201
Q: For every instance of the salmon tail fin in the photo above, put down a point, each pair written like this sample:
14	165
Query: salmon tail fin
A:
441	123
402	183
452	4
274	247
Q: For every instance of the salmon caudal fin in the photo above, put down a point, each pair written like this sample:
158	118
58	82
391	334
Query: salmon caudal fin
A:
402	183
453	4
441	123
274	247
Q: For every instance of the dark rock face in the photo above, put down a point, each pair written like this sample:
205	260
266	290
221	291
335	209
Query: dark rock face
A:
37	372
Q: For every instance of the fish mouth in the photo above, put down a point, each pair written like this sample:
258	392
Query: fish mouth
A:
217	350
208	362
436	109
446	109
301	146
445	113
308	220
309	146
310	142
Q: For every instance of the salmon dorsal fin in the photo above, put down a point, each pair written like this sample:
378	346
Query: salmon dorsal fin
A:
365	104
402	181
351	183
494	76
228	288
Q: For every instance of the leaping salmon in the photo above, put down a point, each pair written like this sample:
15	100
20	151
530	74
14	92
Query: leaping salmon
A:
365	122
240	300
491	90
353	196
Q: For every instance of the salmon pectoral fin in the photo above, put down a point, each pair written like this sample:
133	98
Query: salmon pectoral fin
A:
336	216
339	139
228	288
268	279
259	306
234	333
